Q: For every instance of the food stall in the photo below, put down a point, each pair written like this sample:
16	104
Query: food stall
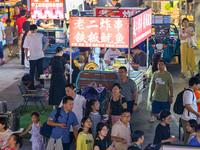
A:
112	33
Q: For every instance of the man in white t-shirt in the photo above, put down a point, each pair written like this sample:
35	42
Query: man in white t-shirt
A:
111	54
121	132
79	106
190	103
33	42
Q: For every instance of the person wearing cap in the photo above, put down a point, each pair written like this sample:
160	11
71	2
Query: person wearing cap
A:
139	59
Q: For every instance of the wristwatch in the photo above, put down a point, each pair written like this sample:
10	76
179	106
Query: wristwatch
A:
171	96
135	104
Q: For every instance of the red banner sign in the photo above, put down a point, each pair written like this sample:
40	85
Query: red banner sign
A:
121	12
47	9
141	27
99	32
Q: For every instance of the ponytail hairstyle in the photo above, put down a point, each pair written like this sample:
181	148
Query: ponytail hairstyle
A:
83	120
89	105
18	139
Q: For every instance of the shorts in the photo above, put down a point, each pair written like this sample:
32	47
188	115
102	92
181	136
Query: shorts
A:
157	107
9	41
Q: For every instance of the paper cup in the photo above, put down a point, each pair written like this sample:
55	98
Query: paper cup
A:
105	117
172	136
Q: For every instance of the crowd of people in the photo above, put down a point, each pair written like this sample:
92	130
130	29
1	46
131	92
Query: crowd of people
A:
77	120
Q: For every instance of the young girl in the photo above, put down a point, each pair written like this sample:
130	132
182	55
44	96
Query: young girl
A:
92	107
101	142
4	132
14	142
85	139
36	138
117	103
191	124
162	134
9	36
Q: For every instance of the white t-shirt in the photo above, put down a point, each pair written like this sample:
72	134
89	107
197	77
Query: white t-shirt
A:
5	136
111	55
189	98
184	34
121	131
79	104
34	42
1	28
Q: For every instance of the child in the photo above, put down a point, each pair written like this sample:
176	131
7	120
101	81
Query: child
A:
85	140
191	124
117	103
36	138
9	36
92	107
138	139
14	142
4	132
162	134
195	141
2	28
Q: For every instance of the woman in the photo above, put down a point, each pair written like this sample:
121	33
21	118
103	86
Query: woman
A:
187	53
155	58
58	81
117	103
191	124
101	142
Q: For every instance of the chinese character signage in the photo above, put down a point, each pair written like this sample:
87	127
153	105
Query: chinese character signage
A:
99	32
141	27
121	12
47	9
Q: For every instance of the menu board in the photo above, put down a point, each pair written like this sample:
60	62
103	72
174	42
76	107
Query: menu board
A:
47	9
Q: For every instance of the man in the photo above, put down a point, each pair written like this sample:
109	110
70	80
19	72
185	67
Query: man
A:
160	89
139	59
129	89
17	13
79	106
138	139
196	140
34	42
65	120
121	132
190	103
45	25
111	54
19	29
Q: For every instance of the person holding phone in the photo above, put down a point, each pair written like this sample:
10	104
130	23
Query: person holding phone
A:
61	128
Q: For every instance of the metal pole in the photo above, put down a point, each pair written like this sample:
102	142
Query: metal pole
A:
147	52
129	53
70	65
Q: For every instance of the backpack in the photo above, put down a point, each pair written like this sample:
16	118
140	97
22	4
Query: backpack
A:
178	105
47	129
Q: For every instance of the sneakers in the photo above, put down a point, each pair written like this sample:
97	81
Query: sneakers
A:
10	54
3	60
151	120
39	86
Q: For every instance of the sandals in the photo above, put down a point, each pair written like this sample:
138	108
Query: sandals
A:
183	76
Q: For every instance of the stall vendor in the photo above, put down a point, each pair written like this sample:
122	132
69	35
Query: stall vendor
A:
45	24
111	54
139	59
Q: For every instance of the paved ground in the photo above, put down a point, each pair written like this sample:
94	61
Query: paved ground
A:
12	71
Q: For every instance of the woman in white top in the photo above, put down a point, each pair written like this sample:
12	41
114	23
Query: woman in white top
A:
187	53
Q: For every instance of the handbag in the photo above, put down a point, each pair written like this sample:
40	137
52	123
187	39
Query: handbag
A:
192	42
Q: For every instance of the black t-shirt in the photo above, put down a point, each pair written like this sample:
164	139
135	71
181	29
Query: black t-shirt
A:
26	26
57	64
162	133
39	22
102	144
116	106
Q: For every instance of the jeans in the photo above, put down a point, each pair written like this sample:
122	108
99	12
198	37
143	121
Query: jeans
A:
39	65
66	146
1	49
